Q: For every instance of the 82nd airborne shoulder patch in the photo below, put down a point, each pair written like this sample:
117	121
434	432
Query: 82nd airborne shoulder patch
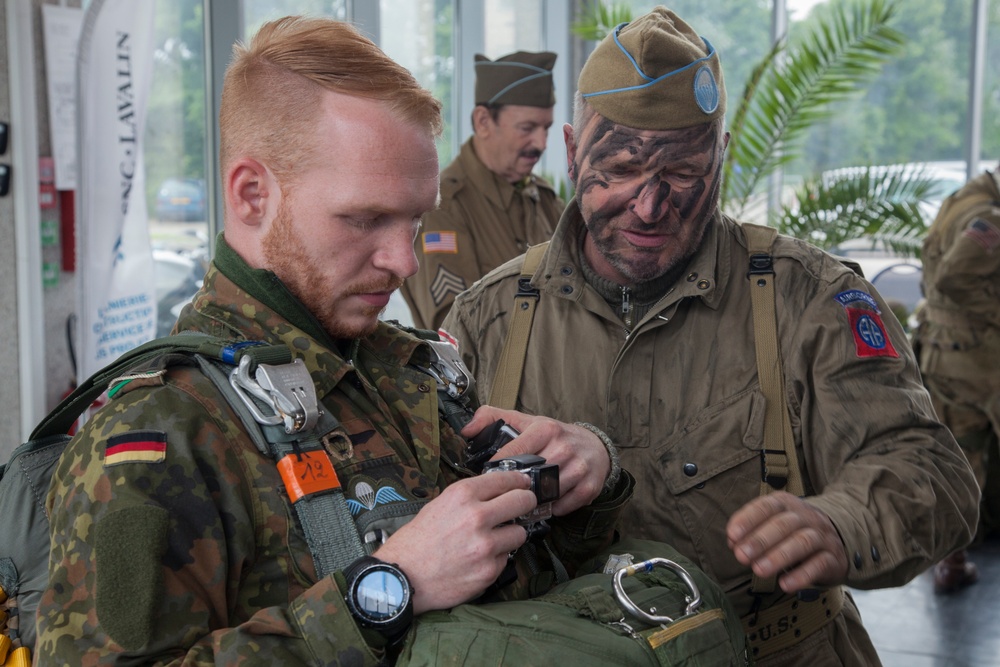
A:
865	320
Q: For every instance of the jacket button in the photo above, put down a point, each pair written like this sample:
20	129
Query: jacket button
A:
423	388
876	556
566	289
857	559
690	469
704	284
419	492
566	270
692	277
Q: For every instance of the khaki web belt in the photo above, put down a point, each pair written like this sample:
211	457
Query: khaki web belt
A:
789	622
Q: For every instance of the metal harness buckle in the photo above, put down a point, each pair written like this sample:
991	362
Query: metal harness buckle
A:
287	390
448	369
693	600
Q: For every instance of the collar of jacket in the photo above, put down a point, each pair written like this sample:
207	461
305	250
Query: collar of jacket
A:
263	285
497	191
706	276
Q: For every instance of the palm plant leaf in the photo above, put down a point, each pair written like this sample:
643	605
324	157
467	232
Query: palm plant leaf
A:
794	87
600	18
881	203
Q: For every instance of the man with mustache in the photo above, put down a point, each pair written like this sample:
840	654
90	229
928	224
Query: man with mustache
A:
644	325
492	206
174	538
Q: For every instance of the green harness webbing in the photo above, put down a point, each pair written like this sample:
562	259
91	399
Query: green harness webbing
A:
326	520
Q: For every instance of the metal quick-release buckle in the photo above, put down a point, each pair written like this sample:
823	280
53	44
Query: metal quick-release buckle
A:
693	601
286	389
448	369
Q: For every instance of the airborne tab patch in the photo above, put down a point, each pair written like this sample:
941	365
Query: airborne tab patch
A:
136	447
864	317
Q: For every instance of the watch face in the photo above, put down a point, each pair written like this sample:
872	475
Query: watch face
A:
380	594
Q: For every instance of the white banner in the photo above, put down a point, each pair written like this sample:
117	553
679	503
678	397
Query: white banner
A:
62	33
117	301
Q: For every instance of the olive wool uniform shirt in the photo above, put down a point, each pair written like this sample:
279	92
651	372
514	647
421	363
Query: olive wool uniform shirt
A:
482	222
679	394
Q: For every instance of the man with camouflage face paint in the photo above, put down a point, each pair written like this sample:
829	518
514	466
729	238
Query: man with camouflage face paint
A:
644	326
173	539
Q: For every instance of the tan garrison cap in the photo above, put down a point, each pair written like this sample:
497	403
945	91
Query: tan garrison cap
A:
655	73
522	78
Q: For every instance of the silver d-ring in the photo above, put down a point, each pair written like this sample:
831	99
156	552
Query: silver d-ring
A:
647	566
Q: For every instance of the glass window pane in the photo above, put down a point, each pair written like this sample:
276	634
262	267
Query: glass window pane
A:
991	88
916	109
257	12
175	156
418	35
512	25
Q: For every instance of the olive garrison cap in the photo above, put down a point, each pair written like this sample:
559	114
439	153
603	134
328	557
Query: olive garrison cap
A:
654	73
522	78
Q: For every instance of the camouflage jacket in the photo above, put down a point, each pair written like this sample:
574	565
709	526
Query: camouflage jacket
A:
482	222
190	553
678	392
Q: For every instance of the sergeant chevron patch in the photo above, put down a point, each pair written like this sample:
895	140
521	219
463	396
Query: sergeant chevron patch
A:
445	283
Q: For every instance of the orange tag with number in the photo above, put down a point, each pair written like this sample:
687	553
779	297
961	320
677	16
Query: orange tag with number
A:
307	473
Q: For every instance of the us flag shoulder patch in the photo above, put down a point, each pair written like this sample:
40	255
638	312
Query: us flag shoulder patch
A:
136	447
865	320
446	242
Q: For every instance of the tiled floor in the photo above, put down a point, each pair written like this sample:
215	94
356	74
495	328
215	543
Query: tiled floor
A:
913	627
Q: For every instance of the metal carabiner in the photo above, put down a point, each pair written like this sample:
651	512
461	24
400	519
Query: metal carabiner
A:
693	601
286	389
448	370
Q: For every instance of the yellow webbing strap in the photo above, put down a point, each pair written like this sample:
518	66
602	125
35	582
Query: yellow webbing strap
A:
510	368
780	465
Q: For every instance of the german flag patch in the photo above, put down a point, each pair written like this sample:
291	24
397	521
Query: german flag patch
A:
136	447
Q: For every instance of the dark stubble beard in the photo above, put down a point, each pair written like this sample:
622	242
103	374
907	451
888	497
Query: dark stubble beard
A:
285	254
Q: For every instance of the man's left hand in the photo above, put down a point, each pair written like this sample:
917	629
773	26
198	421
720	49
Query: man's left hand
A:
583	460
782	535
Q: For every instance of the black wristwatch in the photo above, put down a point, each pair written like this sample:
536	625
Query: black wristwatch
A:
380	597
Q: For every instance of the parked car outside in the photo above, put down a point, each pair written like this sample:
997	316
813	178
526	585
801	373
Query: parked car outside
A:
946	177
178	278
181	199
895	276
